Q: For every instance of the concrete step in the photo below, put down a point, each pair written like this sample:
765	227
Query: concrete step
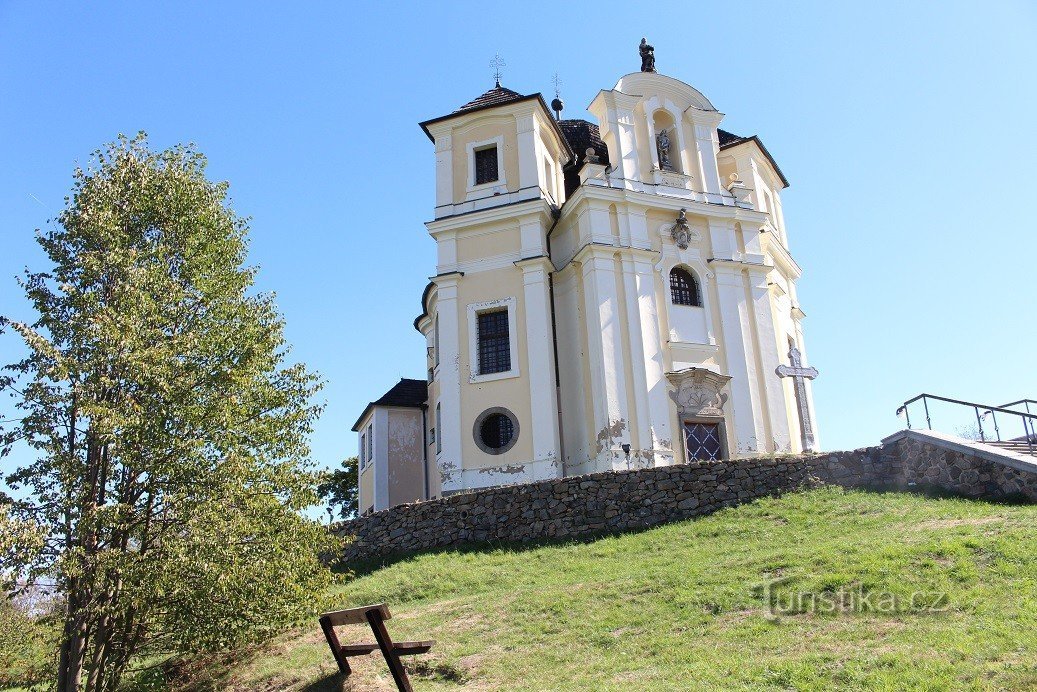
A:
1018	446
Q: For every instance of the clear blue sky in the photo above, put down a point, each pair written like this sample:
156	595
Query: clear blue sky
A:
907	131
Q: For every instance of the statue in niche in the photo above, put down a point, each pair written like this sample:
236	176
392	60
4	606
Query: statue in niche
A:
647	56
662	140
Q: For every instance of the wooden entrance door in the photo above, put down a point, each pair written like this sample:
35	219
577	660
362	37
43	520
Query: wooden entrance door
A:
702	440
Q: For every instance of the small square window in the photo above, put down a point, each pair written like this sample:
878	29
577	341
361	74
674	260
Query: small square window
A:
486	165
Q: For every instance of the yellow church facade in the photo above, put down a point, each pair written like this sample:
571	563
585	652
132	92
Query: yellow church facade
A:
607	295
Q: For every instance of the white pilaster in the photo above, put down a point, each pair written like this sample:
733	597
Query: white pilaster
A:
540	352
449	459
529	167
654	364
446	252
741	365
625	135
635	347
608	381
444	170
637	223
705	124
774	393
531	237
722	238
599	226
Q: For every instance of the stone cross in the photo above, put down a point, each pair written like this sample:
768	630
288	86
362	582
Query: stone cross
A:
799	375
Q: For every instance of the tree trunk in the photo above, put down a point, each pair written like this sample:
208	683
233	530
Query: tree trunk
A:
73	645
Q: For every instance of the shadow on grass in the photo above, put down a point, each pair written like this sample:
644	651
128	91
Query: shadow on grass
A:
329	683
360	568
1017	499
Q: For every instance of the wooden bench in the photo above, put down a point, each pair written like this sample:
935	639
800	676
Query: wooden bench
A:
374	615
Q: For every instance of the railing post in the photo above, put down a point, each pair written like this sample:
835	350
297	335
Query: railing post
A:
979	422
997	431
928	422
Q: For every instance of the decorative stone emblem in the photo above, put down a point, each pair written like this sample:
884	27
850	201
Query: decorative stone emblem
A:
681	231
698	392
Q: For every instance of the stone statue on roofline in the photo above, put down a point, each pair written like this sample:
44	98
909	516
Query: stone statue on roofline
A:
647	56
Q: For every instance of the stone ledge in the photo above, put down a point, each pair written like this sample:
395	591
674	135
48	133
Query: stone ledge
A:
1020	462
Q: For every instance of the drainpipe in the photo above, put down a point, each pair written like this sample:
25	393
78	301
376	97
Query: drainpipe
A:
556	214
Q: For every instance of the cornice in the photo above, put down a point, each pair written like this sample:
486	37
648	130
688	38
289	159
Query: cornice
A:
755	267
645	200
538	260
489	215
781	256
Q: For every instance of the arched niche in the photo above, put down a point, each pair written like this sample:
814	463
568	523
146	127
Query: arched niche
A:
666	140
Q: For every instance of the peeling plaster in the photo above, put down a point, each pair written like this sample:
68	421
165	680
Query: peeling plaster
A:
510	468
607	434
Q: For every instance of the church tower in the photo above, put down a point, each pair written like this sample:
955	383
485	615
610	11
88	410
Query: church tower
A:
608	294
487	312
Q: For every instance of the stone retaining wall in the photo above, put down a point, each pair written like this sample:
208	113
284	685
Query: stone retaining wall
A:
626	500
970	469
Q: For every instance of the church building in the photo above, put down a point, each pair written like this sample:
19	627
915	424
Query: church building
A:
614	293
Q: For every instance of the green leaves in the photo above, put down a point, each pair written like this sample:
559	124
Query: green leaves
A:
170	429
338	489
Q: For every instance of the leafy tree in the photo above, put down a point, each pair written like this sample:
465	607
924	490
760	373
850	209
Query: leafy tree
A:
169	432
339	491
25	647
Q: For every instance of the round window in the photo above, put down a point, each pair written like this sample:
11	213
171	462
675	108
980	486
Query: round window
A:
496	430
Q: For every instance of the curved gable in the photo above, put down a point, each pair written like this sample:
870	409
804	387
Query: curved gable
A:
644	83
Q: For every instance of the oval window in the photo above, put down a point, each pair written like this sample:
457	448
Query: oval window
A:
496	430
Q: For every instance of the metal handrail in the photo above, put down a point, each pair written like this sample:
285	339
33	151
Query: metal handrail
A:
1029	419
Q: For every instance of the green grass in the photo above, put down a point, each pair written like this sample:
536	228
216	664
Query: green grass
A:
679	606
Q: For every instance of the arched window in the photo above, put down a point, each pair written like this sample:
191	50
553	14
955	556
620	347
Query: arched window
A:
683	288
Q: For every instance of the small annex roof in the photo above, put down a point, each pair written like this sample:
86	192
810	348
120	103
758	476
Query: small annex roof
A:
497	96
583	135
404	394
728	140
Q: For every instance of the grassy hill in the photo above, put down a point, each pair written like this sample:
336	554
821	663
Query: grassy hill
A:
680	606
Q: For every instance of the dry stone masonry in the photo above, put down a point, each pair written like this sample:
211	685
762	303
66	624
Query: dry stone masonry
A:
616	501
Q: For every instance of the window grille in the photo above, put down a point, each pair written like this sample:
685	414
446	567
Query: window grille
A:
497	431
486	165
494	342
703	441
683	288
